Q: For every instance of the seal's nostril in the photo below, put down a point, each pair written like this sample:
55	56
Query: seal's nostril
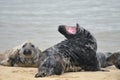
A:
32	46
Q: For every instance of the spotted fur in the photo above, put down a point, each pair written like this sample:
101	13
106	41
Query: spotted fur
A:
114	59
102	58
77	52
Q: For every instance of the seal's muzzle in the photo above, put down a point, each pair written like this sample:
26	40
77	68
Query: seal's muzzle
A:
27	52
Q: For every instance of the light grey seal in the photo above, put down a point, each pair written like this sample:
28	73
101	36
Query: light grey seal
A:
25	55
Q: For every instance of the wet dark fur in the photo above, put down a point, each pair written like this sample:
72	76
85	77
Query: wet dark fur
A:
73	54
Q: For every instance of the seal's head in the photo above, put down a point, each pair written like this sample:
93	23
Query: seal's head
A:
69	31
50	65
74	32
28	50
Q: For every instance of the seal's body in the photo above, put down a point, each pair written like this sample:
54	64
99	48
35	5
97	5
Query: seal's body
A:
77	52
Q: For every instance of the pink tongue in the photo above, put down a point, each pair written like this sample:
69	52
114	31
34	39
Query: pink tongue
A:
72	30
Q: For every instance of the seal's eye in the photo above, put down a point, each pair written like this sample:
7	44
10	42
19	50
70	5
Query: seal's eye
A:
24	45
32	46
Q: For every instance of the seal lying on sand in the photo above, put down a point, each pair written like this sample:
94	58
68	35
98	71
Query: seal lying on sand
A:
102	57
77	52
25	55
114	59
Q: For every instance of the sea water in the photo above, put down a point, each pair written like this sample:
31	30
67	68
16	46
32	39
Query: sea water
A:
38	20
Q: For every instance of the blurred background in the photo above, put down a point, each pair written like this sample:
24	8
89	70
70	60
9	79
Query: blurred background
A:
38	20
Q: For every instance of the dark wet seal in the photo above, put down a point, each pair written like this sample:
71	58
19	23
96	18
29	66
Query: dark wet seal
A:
76	53
114	59
25	55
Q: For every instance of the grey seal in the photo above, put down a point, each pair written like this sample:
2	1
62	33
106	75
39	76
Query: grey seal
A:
25	55
114	59
76	53
102	59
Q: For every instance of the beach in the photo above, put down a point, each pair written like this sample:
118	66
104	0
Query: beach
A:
19	73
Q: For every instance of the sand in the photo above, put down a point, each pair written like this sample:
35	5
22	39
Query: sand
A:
20	73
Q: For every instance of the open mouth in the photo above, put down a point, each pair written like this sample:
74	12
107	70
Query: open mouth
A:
71	29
